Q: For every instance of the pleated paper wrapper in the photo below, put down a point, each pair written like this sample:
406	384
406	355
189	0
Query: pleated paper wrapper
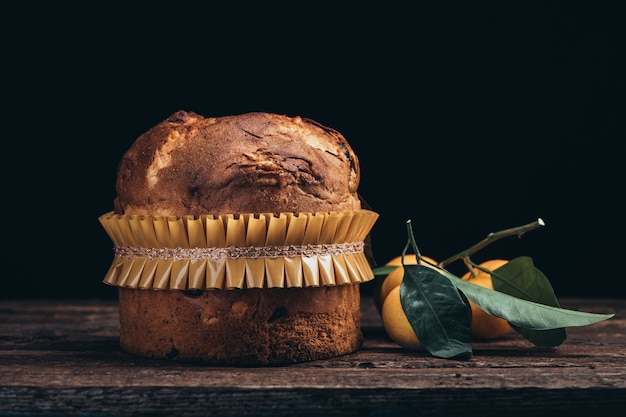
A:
236	252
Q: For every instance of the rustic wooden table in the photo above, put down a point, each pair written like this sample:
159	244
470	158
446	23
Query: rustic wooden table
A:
61	358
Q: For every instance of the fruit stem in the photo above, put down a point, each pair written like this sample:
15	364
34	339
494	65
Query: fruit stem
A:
410	242
471	266
492	237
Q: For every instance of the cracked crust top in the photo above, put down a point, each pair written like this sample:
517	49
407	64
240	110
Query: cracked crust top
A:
249	163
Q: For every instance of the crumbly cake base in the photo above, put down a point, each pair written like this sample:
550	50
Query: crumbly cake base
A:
248	327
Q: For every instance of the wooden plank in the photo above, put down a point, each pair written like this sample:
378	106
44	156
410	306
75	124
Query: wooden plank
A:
63	357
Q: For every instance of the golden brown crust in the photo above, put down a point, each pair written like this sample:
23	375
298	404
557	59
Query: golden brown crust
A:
250	163
241	327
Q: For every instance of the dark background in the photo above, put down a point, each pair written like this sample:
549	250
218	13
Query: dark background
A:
468	118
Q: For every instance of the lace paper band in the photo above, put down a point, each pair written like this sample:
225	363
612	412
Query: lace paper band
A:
233	252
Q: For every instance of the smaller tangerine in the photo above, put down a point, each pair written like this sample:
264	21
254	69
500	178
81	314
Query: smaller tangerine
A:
484	325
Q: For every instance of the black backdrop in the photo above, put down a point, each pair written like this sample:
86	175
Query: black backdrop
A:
468	118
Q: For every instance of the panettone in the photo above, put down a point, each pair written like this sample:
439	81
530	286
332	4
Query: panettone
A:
239	240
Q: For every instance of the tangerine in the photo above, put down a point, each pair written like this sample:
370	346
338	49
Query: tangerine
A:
395	277
484	325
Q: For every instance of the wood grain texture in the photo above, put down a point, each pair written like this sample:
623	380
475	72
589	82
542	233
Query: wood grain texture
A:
63	359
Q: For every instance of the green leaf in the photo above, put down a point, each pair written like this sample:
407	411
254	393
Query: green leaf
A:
384	270
523	313
436	311
520	278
